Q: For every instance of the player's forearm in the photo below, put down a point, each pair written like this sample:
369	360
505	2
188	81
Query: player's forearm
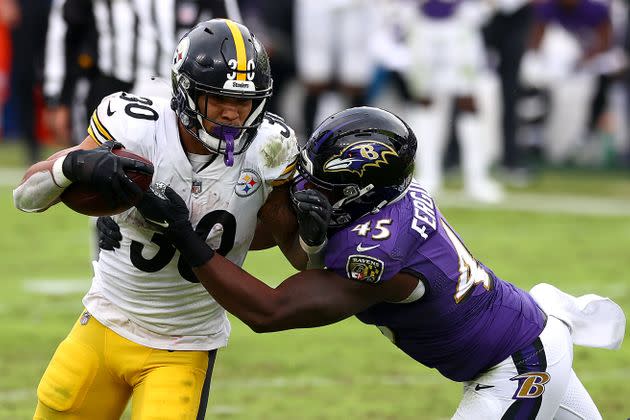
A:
44	182
307	299
41	187
294	253
241	294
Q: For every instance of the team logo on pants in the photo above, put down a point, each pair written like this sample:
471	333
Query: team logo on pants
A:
531	384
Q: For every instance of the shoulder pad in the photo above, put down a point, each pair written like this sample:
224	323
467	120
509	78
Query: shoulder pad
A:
125	118
371	249
275	149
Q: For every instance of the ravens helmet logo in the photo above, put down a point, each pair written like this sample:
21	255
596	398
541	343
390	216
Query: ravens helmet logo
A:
359	156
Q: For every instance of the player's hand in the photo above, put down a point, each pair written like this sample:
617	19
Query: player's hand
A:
164	208
106	172
108	232
313	214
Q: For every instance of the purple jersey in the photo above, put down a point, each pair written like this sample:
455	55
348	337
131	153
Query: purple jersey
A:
468	319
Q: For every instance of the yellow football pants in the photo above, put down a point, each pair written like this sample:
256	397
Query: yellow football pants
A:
95	371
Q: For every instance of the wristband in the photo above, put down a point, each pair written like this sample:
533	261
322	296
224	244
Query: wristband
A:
313	249
59	178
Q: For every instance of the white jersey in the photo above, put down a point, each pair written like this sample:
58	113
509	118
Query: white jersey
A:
144	291
447	55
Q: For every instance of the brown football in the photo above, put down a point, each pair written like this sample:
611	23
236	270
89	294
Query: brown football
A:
85	199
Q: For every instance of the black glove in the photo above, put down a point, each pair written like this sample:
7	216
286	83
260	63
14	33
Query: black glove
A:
108	232
313	214
106	172
164	208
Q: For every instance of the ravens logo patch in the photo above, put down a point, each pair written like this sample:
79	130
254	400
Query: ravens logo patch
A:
364	268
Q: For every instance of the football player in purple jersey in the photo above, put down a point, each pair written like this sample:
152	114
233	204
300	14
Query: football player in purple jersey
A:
393	261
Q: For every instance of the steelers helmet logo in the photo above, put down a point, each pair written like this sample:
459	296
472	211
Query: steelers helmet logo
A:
180	53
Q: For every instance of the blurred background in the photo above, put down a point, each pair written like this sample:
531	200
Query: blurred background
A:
548	80
521	109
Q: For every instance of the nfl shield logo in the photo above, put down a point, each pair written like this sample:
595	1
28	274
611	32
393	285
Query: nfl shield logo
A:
85	318
196	187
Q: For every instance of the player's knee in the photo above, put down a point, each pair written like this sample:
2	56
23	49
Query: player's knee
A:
68	376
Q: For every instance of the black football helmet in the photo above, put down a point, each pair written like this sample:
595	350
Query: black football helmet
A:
362	158
220	57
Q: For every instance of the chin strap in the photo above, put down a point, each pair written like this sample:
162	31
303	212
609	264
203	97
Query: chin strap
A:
354	195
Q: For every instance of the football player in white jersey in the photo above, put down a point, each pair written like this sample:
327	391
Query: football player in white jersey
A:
149	331
447	62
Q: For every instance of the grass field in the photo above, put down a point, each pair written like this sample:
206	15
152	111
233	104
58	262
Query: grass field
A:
348	370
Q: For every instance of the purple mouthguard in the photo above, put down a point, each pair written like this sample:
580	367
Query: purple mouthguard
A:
227	134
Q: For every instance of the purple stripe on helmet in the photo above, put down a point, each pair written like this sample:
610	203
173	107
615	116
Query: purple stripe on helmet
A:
330	132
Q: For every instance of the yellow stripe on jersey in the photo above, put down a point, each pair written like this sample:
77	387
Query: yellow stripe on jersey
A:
98	131
91	133
241	54
286	175
290	168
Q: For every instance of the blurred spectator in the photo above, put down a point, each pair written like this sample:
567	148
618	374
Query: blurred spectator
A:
332	54
70	62
9	17
124	45
506	35
160	26
388	45
447	61
570	53
27	37
272	22
95	31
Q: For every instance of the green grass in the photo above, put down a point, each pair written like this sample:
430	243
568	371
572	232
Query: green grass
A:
344	371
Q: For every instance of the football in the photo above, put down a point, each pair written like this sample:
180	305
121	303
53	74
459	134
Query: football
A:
84	199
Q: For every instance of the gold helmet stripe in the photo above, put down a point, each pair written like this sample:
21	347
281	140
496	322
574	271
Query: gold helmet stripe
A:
241	54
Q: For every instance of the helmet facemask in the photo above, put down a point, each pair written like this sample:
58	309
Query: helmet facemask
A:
227	140
349	201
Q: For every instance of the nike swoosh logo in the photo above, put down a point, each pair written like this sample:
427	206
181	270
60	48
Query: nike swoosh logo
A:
479	386
361	248
109	110
162	224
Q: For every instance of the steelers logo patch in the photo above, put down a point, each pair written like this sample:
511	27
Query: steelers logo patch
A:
248	183
364	268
